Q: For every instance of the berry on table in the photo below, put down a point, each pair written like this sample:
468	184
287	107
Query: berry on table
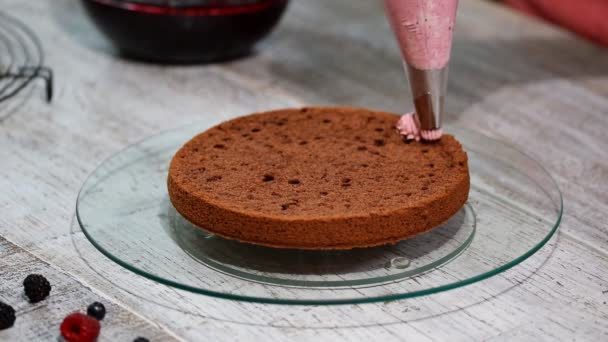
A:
36	287
97	311
7	316
141	339
78	327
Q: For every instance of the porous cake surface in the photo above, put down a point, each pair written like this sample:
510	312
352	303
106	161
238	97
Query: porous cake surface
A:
317	178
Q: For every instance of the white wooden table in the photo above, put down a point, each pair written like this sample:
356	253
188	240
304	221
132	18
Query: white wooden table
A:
510	75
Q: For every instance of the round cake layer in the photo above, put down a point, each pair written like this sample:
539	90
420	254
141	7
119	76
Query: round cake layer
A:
317	178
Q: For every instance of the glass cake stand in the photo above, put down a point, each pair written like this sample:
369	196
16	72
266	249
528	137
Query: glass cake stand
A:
123	208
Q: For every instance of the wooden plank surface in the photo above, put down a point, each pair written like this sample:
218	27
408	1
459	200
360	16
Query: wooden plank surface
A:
509	76
41	321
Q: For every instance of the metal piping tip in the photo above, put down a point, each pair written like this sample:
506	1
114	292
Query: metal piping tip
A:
428	90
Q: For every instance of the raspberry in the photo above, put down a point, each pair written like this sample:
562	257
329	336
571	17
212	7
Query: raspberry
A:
7	316
36	287
78	327
97	311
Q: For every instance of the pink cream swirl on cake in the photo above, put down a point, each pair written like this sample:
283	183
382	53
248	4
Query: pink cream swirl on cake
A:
409	127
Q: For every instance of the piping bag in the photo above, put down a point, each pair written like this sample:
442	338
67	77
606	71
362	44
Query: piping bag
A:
424	30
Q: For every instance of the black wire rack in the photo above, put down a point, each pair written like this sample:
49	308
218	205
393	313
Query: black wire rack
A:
21	59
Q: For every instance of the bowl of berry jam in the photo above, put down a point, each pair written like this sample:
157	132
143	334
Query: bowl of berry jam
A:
185	31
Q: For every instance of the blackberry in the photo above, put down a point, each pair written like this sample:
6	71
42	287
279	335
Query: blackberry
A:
36	287
141	339
97	311
7	316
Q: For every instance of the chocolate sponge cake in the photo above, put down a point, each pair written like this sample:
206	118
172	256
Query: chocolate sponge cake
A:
317	178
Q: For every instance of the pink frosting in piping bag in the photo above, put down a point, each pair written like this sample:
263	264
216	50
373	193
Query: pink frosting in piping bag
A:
424	30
